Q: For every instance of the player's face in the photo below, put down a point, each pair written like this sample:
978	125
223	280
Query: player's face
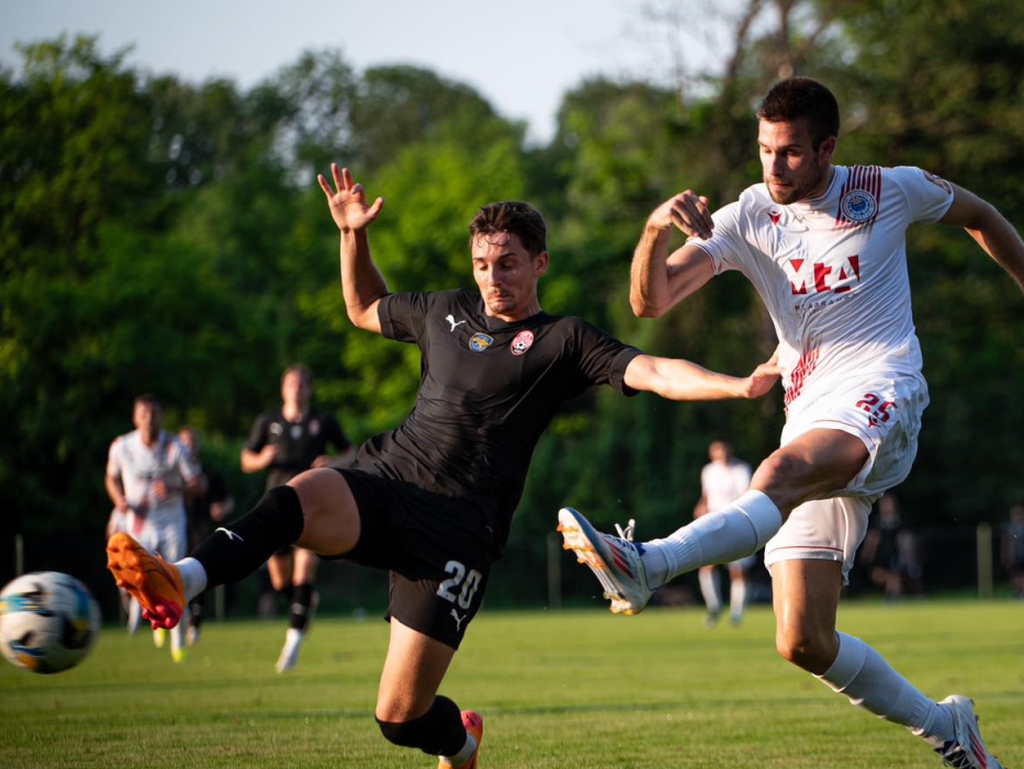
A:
294	389
507	276
792	169
188	440
146	419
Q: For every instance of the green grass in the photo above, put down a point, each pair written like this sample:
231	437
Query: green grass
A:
571	689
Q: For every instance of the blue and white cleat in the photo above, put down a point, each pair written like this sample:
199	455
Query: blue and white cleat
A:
615	561
967	750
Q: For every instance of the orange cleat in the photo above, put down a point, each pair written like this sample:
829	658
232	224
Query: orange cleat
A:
153	582
474	724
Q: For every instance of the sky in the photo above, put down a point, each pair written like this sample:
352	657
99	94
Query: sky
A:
521	55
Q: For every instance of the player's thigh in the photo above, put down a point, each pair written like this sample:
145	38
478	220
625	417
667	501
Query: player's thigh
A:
413	670
881	410
331	518
814	464
174	540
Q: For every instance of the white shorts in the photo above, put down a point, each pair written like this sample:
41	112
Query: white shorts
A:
162	532
885	413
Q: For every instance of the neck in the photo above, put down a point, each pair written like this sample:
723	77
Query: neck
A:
293	412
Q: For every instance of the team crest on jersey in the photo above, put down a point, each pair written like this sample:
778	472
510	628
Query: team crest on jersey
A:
480	342
938	181
858	206
314	427
522	342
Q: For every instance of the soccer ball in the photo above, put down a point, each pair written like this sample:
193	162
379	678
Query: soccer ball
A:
48	621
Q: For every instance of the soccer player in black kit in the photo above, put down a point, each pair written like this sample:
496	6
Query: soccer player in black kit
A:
285	442
431	501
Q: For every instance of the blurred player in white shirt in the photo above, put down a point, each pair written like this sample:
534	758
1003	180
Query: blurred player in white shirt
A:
825	247
722	481
148	474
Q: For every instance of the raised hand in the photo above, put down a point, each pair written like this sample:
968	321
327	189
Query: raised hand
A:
688	211
347	201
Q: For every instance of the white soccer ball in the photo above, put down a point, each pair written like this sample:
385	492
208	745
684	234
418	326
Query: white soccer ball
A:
48	621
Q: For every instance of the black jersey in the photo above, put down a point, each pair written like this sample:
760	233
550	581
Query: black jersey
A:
298	443
488	389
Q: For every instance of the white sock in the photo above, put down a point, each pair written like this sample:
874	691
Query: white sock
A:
871	683
293	637
134	615
709	590
465	754
737	598
193	577
733	532
178	636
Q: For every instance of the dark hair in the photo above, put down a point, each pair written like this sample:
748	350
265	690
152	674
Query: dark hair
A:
303	371
515	218
802	97
147	399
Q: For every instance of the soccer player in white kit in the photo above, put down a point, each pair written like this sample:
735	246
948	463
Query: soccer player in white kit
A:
722	481
148	473
825	247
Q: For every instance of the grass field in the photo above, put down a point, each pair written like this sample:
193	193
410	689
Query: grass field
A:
570	689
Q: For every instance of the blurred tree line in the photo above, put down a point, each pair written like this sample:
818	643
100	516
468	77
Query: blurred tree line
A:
163	236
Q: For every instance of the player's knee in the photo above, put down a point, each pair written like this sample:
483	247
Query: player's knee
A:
807	649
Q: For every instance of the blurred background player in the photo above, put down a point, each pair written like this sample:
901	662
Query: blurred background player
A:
285	442
722	481
204	511
1013	549
148	474
890	552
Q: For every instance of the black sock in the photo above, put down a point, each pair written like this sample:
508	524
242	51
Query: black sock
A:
234	552
438	732
301	606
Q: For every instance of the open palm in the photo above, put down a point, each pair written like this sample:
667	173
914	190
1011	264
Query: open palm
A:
347	201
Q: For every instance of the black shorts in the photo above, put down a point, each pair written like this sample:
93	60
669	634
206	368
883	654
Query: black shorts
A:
438	569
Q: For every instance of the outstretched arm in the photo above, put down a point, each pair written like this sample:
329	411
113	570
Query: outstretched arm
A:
681	380
362	285
989	228
658	281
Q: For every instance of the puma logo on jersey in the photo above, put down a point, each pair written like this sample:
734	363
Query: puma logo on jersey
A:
458	620
451	319
230	534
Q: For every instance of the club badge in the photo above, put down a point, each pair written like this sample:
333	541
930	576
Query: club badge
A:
480	342
522	342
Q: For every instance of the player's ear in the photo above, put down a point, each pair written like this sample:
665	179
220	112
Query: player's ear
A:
540	263
826	148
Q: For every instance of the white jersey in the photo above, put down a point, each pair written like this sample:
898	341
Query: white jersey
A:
721	483
833	272
139	466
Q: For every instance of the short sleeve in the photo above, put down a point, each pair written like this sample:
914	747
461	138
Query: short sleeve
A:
928	196
726	241
603	358
258	434
402	315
